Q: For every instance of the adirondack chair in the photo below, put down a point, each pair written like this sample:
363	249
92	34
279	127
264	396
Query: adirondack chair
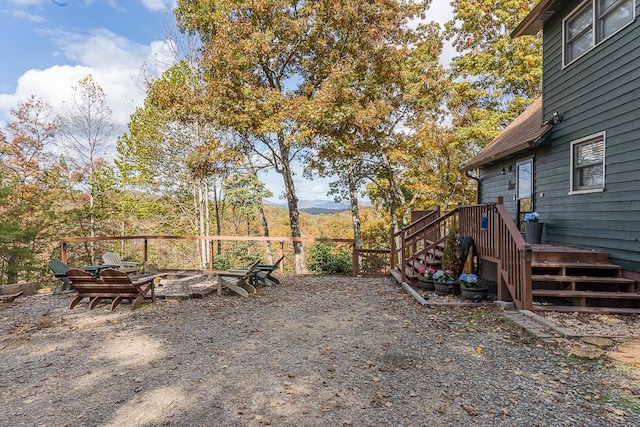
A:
238	281
112	284
113	259
263	273
59	270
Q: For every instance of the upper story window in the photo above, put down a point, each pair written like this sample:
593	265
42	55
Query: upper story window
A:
592	22
587	163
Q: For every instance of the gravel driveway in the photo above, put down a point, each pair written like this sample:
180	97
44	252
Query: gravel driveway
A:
329	351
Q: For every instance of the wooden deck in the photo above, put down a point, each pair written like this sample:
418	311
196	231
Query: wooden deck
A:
565	279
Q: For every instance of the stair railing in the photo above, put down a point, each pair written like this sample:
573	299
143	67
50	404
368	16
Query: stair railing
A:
421	238
498	240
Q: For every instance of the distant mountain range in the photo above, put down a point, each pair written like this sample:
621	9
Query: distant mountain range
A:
316	207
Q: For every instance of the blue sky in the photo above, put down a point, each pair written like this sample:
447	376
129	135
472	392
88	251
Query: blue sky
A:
47	46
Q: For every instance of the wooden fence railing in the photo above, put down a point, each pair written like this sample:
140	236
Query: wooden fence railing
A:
365	261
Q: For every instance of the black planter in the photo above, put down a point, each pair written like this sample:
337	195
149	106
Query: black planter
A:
447	288
426	284
533	232
476	294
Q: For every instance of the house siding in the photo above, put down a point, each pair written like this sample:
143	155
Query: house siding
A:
495	185
598	92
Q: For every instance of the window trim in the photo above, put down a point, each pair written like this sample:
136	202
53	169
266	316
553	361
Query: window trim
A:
595	28
600	136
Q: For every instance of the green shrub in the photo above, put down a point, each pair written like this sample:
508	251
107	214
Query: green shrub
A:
222	262
329	258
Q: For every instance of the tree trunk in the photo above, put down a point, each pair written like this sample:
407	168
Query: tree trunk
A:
294	215
355	211
353	202
265	232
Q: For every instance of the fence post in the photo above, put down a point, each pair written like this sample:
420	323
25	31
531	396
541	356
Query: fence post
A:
394	255
402	266
64	252
281	255
145	255
356	264
210	255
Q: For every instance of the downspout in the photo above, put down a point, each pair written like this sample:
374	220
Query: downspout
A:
476	179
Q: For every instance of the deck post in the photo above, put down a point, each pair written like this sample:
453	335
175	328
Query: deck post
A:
145	255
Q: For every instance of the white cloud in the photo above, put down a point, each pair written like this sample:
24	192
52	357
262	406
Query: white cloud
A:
159	5
23	15
26	2
114	62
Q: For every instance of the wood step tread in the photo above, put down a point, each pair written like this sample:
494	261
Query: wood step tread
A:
575	265
581	279
588	294
572	309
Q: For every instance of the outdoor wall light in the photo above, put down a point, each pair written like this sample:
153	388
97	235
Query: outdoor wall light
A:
554	120
503	171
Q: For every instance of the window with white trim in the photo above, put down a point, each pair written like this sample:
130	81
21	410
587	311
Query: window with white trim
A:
592	22
587	163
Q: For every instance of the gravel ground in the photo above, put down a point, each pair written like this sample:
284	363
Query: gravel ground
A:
329	351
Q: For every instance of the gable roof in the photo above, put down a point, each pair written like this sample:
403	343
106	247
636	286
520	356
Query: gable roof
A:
523	133
534	21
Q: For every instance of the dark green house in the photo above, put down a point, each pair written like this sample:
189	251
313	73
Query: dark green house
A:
574	156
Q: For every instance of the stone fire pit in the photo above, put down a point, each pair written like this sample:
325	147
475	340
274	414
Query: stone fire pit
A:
183	284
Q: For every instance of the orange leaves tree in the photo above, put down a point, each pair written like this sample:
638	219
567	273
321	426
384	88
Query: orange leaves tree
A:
173	147
315	80
30	191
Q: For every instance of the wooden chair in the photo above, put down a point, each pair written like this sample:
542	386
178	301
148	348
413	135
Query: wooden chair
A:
112	284
263	273
238	281
113	259
59	270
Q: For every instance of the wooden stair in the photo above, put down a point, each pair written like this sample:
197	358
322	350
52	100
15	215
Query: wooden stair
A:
580	281
432	259
563	279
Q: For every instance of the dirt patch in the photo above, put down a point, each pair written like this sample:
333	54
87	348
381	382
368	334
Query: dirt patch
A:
309	352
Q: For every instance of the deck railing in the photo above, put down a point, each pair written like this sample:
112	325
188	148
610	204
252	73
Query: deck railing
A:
175	255
421	238
497	239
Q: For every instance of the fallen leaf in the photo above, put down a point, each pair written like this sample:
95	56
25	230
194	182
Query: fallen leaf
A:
470	410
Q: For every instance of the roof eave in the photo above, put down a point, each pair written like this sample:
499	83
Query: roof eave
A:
497	157
532	143
532	23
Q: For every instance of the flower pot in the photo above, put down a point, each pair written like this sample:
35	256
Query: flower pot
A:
533	232
476	294
426	284
441	288
447	288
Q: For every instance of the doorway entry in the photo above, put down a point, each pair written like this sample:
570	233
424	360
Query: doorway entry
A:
524	189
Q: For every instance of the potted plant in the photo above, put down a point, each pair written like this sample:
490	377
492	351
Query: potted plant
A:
425	278
470	288
532	228
444	282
